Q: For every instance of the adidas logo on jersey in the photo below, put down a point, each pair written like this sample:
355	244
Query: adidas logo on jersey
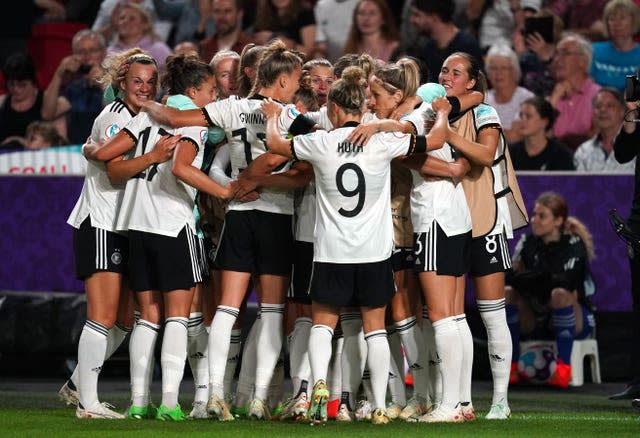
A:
197	355
493	260
496	358
415	366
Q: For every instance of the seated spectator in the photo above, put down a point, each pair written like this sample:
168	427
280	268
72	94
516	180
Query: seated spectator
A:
574	90
372	30
23	102
585	18
135	29
74	90
227	17
619	55
596	154
504	94
186	47
292	21
434	18
549	289
332	18
537	151
106	22
535	54
41	135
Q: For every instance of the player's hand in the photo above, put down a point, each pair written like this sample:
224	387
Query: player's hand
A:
441	105
270	108
362	133
163	150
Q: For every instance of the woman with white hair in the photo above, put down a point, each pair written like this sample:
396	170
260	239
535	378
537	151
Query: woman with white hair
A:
505	95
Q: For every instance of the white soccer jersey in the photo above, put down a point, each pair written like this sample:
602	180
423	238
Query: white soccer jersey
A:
100	198
486	115
155	201
305	213
321	118
244	125
439	200
353	224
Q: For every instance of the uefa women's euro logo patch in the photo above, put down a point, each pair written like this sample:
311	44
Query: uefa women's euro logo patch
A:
111	130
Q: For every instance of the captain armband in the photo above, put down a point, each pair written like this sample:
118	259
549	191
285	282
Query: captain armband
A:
418	145
301	125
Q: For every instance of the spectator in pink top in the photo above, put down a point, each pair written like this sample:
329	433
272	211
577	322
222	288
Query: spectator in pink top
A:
573	93
135	29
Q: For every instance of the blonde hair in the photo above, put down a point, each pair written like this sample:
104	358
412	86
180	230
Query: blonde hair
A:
117	66
402	76
574	226
626	7
348	91
277	59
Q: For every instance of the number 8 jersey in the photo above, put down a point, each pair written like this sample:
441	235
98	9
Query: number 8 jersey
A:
353	200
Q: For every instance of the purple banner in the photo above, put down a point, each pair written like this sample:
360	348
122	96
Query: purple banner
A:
37	255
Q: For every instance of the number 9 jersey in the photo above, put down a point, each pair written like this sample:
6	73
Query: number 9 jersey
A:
353	223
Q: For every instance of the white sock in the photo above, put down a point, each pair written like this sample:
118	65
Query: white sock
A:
448	343
320	351
219	340
334	375
269	344
197	349
232	359
91	352
247	376
378	357
141	350
173	358
499	343
275	392
397	388
466	366
116	336
414	350
354	353
300	369
434	377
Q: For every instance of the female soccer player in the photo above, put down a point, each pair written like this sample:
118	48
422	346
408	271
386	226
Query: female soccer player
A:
157	211
353	201
101	252
257	236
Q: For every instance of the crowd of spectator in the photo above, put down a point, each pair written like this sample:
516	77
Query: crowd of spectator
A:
590	45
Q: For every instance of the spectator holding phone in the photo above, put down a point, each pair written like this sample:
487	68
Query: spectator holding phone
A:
74	90
619	55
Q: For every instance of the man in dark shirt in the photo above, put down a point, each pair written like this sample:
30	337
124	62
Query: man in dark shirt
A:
626	148
554	156
434	18
227	17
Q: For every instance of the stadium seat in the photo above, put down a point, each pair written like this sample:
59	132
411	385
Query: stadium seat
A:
581	349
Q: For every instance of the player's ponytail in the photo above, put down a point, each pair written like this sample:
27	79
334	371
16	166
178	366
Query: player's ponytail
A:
277	59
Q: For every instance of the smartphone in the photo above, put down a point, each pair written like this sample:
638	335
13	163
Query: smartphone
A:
542	25
84	69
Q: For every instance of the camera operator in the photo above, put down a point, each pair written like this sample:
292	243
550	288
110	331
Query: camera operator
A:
73	90
626	148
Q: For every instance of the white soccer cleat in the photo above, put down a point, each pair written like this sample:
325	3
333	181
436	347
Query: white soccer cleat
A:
199	410
499	411
394	410
363	411
344	414
416	406
442	415
468	412
258	410
99	411
296	408
67	395
218	408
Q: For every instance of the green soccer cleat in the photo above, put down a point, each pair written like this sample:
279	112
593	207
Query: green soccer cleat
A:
173	414
319	399
141	412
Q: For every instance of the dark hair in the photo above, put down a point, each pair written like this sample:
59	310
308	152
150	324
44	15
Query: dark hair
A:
388	29
318	62
267	15
617	95
184	71
442	8
306	94
544	108
250	57
20	67
474	71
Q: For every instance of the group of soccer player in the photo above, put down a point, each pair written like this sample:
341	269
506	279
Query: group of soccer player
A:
347	213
